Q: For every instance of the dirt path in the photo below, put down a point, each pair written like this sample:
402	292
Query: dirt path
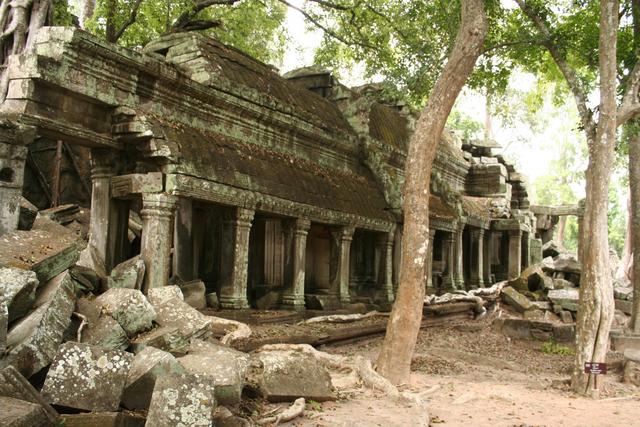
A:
473	376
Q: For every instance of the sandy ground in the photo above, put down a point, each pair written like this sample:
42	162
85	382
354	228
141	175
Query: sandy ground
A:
473	376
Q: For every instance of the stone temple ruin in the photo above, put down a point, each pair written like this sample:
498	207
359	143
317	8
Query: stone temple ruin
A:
189	177
274	191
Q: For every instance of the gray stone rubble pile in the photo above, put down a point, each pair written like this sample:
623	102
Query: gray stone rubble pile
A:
546	295
106	354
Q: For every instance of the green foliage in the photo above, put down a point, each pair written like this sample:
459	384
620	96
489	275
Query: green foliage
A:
62	15
253	27
551	347
465	126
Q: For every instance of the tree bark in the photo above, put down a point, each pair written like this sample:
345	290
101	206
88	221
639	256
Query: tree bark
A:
394	361
562	225
634	220
627	249
595	312
88	8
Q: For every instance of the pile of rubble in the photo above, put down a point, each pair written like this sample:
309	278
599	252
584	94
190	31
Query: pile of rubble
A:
546	295
87	349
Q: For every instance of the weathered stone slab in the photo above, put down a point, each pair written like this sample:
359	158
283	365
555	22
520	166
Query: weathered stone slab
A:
87	377
34	340
182	400
18	289
564	333
48	249
103	419
128	274
164	338
623	293
177	313
621	342
552	249
226	365
106	333
287	376
28	213
13	384
563	284
566	316
148	365
568	299
20	413
567	263
516	300
194	294
158	296
129	308
532	279
623	305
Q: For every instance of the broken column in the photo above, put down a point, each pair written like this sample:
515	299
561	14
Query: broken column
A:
183	240
515	253
13	154
235	256
477	258
294	295
339	268
157	215
385	267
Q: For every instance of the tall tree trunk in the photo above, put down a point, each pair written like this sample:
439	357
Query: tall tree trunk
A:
403	326
627	249
634	220
595	312
488	127
88	8
562	225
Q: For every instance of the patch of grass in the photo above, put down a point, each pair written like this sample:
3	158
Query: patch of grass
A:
314	406
552	347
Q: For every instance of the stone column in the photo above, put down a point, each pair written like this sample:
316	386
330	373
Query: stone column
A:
99	225
183	255
515	253
458	275
526	251
340	249
293	296
477	258
12	161
429	270
448	282
385	266
486	258
155	249
235	258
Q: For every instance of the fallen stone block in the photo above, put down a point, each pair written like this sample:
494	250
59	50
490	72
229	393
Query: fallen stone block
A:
623	293
129	308
158	296
90	259
552	249
103	419
212	300
532	279
62	214
622	342
566	316
567	263
148	365
194	294
18	290
563	284
87	377
20	413
34	340
226	365
321	302
164	338
128	274
48	249
516	300
177	313
105	332
13	384
182	400
286	376
568	299
625	306
564	333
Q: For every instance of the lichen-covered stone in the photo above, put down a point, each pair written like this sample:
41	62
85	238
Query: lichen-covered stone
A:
34	340
18	289
516	300
128	274
20	413
87	377
164	338
158	296
286	376
177	313
129	308
182	400
226	365
194	294
148	365
568	299
106	333
567	263
103	419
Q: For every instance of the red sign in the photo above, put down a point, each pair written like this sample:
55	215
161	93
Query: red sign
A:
595	368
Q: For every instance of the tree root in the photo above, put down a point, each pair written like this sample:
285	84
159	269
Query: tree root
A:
342	318
294	411
239	330
83	322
